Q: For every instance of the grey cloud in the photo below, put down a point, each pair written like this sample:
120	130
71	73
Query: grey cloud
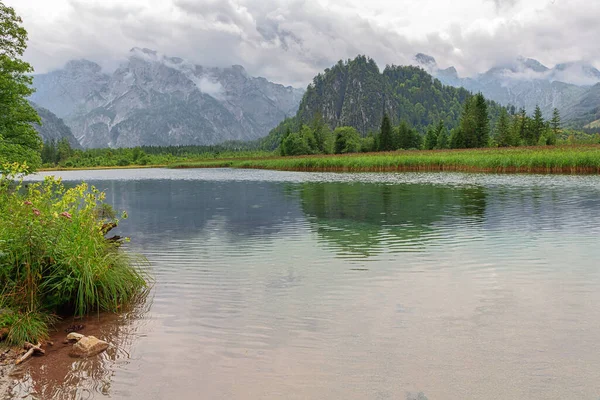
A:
118	11
504	4
289	41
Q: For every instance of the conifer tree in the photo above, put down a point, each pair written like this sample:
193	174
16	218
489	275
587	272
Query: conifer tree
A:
482	121
503	133
555	124
442	136
386	139
430	139
537	127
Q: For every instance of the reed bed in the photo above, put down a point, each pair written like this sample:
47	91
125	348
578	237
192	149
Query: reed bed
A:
544	159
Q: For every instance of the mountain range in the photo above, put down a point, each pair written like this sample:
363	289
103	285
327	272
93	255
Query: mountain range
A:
155	100
53	128
152	99
570	87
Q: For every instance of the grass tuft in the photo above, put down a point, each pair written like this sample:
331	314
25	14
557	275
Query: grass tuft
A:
55	259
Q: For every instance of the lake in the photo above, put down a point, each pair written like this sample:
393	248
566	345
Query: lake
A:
272	285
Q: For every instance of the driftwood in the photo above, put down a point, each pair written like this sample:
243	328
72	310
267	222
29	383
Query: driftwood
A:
108	227
30	350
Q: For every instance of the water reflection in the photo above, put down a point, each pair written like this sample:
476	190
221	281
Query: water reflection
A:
171	209
367	219
302	286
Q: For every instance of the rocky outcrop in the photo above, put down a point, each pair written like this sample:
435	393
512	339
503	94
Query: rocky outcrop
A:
356	93
156	100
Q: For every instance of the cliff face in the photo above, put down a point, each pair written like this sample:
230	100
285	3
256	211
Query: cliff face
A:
53	128
156	100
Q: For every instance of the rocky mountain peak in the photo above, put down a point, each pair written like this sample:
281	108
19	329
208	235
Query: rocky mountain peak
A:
425	60
532	64
154	99
578	72
82	65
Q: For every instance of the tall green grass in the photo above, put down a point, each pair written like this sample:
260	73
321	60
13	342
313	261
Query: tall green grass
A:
55	259
546	159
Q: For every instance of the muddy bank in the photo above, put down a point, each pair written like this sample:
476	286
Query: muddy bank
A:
56	374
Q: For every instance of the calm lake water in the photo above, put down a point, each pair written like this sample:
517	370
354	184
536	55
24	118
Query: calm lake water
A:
278	285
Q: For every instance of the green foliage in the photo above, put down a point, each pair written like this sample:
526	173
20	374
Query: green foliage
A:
323	138
386	136
407	138
547	159
54	257
25	326
142	156
355	93
368	143
298	143
503	132
475	122
347	140
536	127
441	136
555	123
19	141
457	138
54	153
430	139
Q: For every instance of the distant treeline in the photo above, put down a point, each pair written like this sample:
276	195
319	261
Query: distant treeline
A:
476	129
62	154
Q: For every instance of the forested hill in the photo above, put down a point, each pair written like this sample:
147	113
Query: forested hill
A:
355	93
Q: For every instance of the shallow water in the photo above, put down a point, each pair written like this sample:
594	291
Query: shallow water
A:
288	285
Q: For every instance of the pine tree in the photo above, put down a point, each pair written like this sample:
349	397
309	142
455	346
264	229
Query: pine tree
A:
537	127
430	139
555	124
467	127
322	135
64	150
503	130
442	136
386	139
482	121
521	127
49	152
405	139
457	139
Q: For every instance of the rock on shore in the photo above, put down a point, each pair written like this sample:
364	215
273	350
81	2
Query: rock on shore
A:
88	346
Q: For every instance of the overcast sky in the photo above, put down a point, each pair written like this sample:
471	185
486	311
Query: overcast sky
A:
289	41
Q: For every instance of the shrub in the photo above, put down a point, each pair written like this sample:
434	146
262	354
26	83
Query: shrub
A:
54	258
